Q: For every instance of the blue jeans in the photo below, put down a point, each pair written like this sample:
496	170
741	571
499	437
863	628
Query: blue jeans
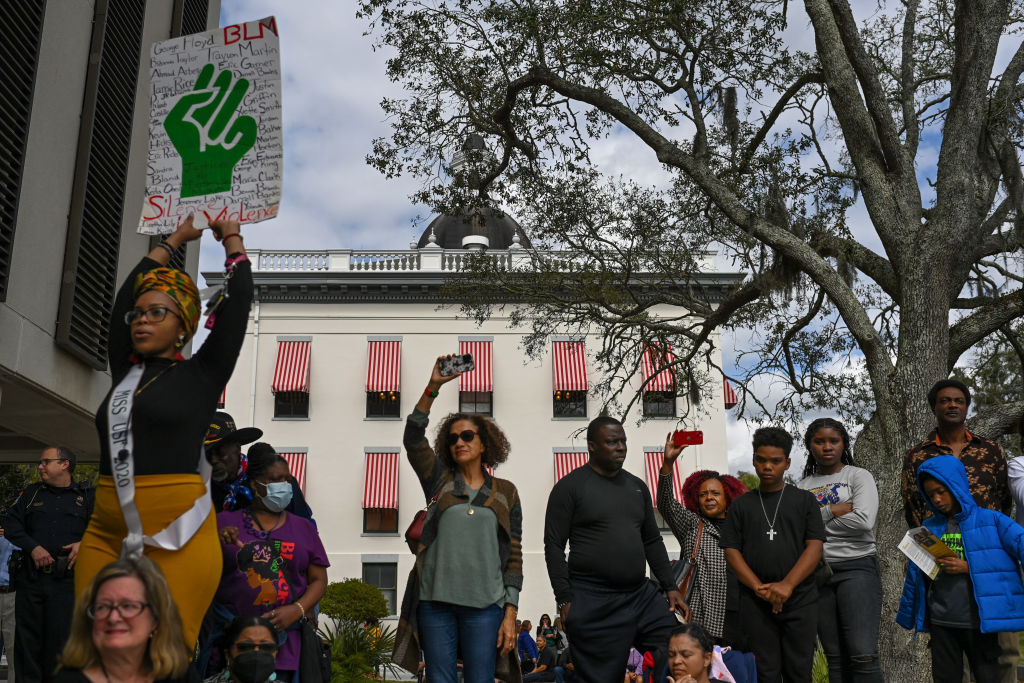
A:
450	632
849	609
562	674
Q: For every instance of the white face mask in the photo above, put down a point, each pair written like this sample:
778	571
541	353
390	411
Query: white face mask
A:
278	495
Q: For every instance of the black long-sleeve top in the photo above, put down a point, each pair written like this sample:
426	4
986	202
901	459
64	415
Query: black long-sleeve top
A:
171	415
49	516
612	534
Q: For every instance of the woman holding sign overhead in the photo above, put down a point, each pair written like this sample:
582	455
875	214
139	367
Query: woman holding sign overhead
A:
153	493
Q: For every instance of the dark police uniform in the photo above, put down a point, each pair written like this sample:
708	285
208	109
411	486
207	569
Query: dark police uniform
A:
50	517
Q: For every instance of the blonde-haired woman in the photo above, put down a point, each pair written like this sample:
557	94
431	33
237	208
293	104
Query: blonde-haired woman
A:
126	628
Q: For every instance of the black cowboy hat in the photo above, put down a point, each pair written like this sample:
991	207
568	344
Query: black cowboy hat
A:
222	430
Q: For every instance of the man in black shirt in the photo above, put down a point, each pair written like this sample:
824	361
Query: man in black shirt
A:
773	538
47	522
545	669
604	598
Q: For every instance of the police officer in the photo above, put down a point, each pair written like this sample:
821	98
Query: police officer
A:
47	523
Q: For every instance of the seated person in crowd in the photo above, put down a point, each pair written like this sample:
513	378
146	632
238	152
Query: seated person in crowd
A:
249	647
545	669
527	647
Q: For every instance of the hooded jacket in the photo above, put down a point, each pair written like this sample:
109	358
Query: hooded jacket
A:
993	547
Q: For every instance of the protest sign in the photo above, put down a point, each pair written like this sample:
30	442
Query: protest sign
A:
215	145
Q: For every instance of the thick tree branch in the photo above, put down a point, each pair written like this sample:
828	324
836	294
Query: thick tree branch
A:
868	262
984	321
907	89
998	420
774	236
874	96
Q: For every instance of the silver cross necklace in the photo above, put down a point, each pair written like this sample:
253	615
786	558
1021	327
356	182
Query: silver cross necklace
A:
771	522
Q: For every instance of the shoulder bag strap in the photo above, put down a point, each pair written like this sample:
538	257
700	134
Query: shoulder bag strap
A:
687	580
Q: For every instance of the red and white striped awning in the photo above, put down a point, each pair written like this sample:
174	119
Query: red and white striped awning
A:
569	364
297	467
652	464
479	379
223	398
384	368
381	487
292	370
655	363
567	461
728	394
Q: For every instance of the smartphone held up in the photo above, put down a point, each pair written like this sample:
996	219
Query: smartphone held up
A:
462	362
682	438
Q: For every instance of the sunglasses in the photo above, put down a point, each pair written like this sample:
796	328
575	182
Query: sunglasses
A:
467	436
249	647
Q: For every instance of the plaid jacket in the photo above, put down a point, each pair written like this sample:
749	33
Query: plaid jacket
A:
707	598
984	461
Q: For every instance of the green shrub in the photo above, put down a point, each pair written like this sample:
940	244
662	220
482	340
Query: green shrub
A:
353	600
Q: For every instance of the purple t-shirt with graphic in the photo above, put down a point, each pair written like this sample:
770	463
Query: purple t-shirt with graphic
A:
268	571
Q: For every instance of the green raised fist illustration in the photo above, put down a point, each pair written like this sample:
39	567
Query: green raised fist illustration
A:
205	128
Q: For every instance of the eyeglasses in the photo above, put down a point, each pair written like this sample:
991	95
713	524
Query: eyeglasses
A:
153	315
127	610
467	436
246	646
46	461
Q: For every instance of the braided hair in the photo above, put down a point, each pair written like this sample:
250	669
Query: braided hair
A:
825	423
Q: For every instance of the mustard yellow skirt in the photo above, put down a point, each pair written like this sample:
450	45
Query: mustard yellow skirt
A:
193	572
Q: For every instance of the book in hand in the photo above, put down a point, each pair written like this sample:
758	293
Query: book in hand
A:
923	548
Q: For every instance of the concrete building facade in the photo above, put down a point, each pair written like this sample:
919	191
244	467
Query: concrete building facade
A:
340	346
73	147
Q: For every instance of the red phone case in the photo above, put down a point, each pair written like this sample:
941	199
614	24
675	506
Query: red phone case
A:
695	438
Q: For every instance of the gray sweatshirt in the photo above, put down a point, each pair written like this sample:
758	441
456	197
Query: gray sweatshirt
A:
849	536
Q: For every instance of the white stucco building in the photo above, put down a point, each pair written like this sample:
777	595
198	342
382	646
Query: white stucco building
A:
74	133
339	348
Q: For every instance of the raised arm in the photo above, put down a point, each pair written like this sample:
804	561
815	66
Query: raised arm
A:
219	352
679	519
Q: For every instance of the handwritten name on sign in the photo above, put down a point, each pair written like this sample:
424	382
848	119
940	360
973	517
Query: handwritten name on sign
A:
215	146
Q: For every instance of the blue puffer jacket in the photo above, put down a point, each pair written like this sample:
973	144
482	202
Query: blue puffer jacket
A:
993	548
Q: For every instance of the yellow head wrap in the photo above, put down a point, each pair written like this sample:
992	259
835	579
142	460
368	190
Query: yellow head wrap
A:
177	285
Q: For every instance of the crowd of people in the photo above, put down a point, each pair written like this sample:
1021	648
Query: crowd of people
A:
763	575
192	560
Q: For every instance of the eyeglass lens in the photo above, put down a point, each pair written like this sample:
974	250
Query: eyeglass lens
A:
127	610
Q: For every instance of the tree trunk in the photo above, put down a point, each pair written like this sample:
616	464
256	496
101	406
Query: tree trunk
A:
898	424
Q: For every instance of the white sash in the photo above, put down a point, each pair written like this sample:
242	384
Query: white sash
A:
122	464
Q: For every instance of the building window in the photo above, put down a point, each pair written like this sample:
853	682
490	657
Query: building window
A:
291	404
380	520
570	404
383	575
662	524
478	402
383	404
659	404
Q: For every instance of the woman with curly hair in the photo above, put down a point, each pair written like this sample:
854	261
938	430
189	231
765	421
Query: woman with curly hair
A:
462	594
849	581
714	592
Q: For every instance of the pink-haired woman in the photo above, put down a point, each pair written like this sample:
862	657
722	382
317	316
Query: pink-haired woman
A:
714	593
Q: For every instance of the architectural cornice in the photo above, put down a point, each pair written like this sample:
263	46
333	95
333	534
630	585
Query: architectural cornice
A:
348	276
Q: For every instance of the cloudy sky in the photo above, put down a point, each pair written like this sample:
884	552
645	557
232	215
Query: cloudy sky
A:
333	83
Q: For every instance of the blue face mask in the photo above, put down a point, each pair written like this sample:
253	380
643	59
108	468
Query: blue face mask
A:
279	494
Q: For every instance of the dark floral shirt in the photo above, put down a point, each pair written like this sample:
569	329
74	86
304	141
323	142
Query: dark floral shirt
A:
984	461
